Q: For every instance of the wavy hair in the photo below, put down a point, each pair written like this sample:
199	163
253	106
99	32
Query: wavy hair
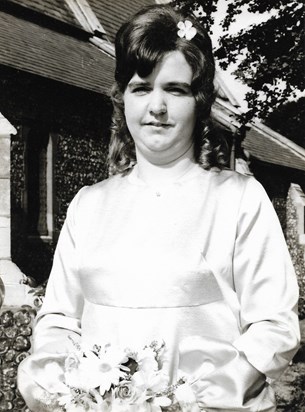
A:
140	44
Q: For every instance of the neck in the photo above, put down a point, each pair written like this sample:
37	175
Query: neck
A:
156	174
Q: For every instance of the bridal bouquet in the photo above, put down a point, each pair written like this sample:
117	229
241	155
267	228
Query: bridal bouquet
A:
108	379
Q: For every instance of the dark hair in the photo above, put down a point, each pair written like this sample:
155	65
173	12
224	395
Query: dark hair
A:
140	44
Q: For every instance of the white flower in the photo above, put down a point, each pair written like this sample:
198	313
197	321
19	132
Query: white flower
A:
91	370
103	370
140	394
152	381
146	359
113	380
159	401
186	30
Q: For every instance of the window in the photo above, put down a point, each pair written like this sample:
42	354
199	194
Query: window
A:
39	183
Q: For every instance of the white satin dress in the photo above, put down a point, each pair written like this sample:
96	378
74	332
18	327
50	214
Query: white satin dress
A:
200	263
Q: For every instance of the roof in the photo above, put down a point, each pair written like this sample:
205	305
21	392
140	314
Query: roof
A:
5	127
223	91
224	113
38	50
56	9
271	147
261	141
54	54
31	46
113	13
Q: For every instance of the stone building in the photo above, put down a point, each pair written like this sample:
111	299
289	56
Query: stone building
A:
56	71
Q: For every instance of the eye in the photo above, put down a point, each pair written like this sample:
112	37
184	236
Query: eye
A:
140	90
178	91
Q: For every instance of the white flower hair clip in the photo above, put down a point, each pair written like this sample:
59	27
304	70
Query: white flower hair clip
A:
186	30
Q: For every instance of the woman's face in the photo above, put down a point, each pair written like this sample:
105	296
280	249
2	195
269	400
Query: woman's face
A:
160	110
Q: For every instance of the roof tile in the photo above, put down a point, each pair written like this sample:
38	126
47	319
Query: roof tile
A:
57	9
29	47
112	14
268	148
109	13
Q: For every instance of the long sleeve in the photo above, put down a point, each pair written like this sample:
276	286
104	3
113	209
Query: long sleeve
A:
63	303
266	286
40	374
232	376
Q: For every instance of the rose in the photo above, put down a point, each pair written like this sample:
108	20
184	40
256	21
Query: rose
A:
126	392
72	361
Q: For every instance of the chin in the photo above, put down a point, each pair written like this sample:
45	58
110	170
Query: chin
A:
156	147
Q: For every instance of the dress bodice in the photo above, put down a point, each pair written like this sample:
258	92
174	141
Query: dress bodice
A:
146	265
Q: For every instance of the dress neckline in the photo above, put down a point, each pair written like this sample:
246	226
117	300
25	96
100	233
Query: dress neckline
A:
190	173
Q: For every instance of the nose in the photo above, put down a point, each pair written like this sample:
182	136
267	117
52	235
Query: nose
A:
157	103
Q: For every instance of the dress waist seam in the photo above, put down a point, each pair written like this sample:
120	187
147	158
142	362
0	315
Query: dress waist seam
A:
144	307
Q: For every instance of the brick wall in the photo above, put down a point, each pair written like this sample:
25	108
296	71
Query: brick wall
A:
81	122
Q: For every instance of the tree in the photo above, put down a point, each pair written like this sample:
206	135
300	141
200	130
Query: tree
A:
289	120
269	55
203	10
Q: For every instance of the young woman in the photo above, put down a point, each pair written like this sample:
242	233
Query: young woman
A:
173	246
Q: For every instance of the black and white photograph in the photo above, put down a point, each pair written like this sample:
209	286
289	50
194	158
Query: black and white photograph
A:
152	206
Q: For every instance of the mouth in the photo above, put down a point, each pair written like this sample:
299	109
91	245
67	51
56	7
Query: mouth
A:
158	124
